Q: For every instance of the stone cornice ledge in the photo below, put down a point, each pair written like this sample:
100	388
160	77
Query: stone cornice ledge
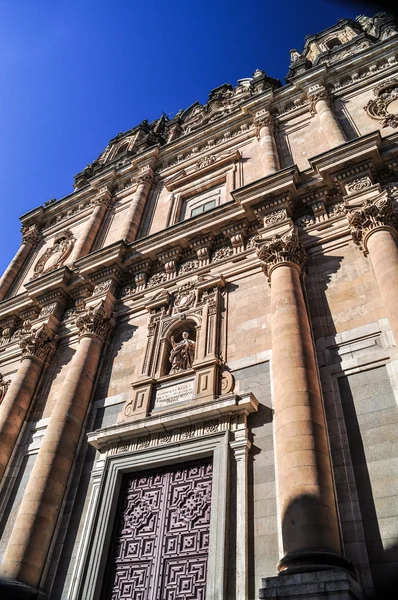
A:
358	149
226	405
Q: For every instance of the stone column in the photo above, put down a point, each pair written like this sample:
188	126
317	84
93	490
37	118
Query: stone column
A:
86	239
30	239
320	104
374	229
30	539
264	126
37	348
137	206
310	528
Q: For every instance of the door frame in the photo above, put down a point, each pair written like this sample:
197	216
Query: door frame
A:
89	574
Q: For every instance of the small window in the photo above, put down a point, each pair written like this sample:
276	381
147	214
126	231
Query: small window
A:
203	208
333	43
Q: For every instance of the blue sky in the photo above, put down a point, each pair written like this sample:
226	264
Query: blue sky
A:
75	73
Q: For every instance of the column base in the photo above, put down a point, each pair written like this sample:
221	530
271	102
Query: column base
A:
336	584
314	560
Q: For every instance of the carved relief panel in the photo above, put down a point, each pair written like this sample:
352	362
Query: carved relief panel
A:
56	255
181	361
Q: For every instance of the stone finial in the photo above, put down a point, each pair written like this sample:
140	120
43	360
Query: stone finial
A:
40	343
281	249
97	322
374	214
4	385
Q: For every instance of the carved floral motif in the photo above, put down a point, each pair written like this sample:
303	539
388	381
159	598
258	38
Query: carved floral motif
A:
54	257
40	342
97	321
357	185
221	253
305	221
281	249
4	385
372	215
156	278
30	235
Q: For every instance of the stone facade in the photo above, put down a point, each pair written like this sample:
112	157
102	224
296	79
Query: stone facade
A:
220	287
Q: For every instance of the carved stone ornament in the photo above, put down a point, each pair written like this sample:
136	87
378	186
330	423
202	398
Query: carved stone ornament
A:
55	256
357	185
97	321
317	95
384	108
185	299
182	354
40	343
263	118
4	385
373	214
281	249
30	235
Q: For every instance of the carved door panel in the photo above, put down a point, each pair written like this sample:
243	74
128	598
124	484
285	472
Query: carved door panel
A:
160	542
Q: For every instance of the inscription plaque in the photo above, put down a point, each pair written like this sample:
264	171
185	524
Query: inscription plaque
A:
174	393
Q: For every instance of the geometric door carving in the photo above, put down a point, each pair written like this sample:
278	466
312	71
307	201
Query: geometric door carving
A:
160	541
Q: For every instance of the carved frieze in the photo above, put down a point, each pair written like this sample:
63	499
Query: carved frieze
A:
97	321
358	184
281	249
4	385
373	214
384	108
40	342
55	256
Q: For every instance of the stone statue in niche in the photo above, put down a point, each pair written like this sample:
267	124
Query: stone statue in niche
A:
182	354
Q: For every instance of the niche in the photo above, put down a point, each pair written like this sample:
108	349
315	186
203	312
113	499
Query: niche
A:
179	349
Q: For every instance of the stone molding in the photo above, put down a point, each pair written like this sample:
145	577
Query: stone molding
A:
281	249
96	322
4	385
373	214
40	343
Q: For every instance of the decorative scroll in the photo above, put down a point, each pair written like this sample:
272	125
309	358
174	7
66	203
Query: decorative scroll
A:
4	385
373	214
161	535
316	96
281	249
54	257
40	343
97	321
384	108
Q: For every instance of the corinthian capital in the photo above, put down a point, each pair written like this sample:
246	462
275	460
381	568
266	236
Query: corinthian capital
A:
97	322
30	235
40	343
315	96
280	249
374	214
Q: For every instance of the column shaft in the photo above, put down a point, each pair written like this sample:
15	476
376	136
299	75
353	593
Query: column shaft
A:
269	152
383	253
329	124
86	239
15	406
13	268
309	517
135	211
31	536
